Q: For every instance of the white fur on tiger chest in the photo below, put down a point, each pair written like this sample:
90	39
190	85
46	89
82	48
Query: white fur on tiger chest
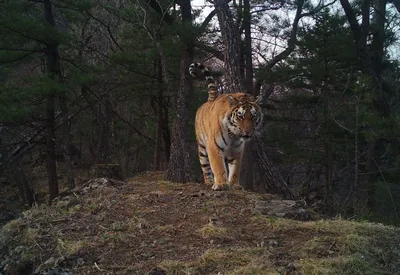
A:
230	147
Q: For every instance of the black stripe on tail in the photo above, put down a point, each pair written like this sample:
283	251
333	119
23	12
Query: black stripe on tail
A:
194	70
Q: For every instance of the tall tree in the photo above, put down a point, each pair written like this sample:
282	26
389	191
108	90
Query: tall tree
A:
371	64
269	176
54	72
247	174
179	161
230	36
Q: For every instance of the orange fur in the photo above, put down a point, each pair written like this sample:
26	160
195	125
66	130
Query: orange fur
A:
222	128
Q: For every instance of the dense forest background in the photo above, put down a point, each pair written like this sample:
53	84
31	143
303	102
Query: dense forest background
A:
91	82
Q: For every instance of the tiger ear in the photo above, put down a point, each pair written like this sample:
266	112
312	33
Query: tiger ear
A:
232	101
249	97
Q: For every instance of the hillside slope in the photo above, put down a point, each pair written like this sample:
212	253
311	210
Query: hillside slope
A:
131	227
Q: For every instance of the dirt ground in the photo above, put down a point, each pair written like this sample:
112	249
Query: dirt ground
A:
145	222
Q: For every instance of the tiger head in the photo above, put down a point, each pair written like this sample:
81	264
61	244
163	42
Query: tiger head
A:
245	116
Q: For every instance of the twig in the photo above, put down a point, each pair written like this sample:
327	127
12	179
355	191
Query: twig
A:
95	264
60	220
38	245
330	247
383	258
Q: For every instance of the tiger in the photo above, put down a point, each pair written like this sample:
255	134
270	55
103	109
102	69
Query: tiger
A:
223	125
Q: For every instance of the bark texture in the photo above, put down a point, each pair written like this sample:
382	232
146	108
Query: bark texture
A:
53	70
179	169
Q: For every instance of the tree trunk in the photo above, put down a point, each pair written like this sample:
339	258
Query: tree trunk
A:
269	177
231	38
247	171
368	64
50	149
179	169
166	132
103	152
370	60
67	142
53	64
159	111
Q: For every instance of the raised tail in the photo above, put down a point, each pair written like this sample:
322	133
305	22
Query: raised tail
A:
194	70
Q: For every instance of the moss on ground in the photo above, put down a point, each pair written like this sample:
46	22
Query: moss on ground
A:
147	222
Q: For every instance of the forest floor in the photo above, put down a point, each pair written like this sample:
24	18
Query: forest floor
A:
133	226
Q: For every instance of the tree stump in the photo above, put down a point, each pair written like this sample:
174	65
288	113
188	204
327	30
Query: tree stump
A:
110	171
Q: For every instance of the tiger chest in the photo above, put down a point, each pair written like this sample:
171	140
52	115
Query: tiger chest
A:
229	146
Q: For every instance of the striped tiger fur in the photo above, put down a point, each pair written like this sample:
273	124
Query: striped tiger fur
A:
199	71
223	125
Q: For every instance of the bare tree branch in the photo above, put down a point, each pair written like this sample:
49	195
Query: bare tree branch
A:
108	30
218	54
165	16
207	20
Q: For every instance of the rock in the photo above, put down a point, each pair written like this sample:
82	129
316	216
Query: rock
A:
157	271
98	183
273	242
48	264
80	262
56	271
281	208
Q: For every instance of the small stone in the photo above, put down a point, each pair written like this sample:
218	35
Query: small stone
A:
212	220
281	208
80	261
273	243
48	264
157	271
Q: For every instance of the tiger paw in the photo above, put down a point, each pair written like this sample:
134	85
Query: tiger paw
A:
220	187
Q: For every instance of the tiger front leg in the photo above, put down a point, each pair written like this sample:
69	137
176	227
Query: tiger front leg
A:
234	172
218	167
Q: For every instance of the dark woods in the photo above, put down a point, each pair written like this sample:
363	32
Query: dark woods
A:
86	83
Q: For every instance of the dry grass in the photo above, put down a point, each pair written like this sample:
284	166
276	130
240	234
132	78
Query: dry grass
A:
212	231
144	223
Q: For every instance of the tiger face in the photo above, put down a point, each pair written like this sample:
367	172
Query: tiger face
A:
244	119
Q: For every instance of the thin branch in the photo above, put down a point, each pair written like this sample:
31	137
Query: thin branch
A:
165	16
207	20
23	34
18	59
318	8
218	54
108	30
119	116
21	50
165	13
